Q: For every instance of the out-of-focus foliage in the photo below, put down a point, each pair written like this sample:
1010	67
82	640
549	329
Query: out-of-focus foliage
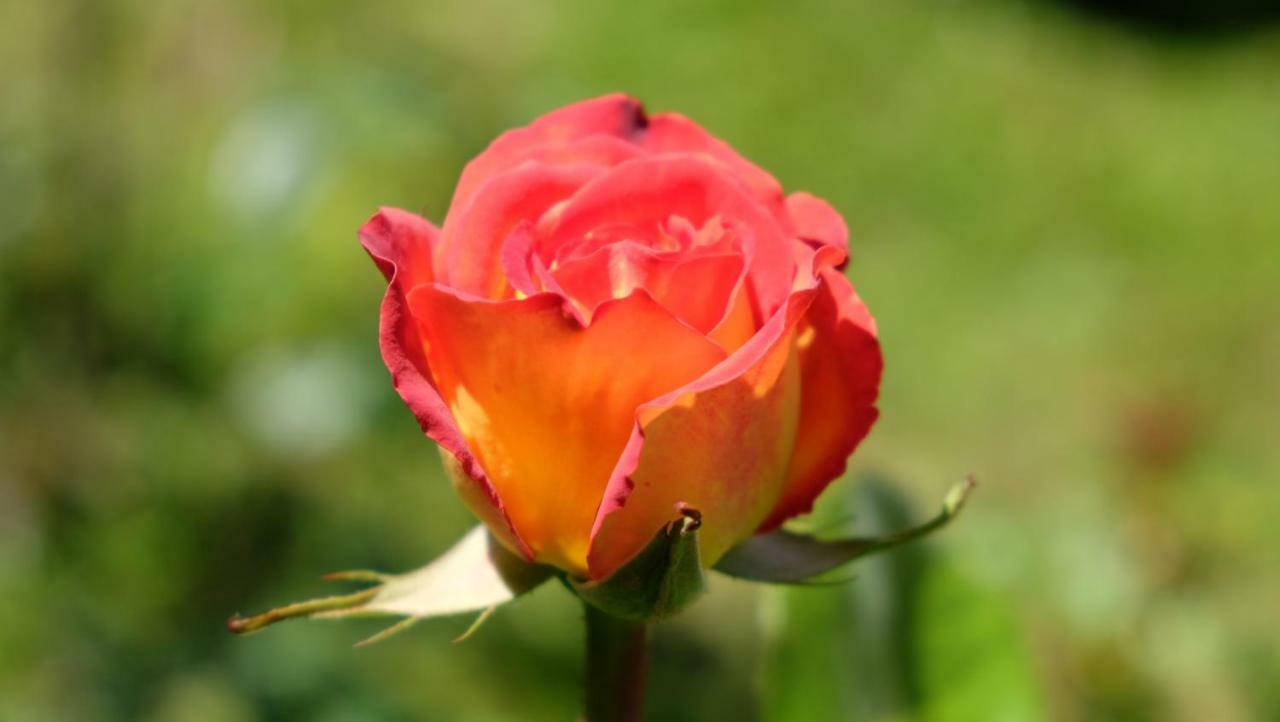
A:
1068	231
925	642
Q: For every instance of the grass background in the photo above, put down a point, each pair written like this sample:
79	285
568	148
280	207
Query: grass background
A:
1067	226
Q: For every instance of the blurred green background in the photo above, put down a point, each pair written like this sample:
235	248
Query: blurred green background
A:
1067	225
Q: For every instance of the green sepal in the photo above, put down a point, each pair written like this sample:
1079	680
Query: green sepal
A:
660	581
477	574
783	557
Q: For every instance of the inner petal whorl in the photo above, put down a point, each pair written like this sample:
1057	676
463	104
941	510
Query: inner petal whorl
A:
693	272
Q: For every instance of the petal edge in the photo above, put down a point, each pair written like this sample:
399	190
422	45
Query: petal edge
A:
400	244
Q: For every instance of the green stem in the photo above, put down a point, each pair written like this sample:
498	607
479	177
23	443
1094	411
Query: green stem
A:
616	663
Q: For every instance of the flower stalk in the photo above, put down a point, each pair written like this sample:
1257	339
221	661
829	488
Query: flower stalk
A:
616	667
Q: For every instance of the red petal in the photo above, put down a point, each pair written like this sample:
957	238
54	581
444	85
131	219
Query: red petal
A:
814	220
674	133
400	244
596	131
840	379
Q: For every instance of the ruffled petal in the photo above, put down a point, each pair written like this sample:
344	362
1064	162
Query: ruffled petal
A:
720	444
840	369
548	405
400	244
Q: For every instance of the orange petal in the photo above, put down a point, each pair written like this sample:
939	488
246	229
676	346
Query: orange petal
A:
721	445
400	243
840	368
547	405
722	451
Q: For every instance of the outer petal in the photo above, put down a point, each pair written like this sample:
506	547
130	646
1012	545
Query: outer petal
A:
400	243
547	404
674	133
814	220
720	444
598	130
840	368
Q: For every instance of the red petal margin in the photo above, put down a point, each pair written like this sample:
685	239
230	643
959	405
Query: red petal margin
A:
721	444
400	244
840	367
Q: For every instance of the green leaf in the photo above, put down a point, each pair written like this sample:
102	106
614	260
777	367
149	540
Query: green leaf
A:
783	557
664	578
475	575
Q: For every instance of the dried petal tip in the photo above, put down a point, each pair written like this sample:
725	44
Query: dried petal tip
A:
692	517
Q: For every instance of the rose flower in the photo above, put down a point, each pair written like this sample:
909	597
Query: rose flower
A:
620	315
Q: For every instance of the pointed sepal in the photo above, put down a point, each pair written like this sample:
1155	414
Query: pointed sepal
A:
783	557
664	578
476	575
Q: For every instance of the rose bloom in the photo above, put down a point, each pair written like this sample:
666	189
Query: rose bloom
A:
621	314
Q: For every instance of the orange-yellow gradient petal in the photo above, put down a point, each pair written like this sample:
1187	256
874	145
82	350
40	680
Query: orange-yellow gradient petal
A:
548	405
722	451
722	445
